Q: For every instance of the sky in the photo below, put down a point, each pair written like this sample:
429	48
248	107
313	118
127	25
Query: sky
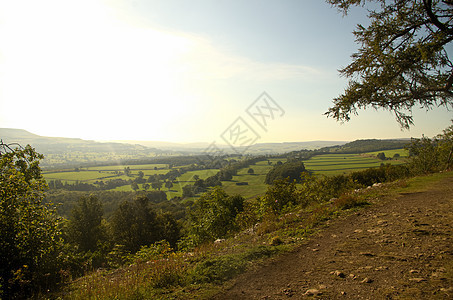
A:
185	71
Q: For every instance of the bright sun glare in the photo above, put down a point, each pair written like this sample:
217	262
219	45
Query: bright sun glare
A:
84	65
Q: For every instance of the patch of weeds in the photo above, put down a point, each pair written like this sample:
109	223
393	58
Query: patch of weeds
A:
268	224
222	268
275	241
259	252
218	269
349	201
136	295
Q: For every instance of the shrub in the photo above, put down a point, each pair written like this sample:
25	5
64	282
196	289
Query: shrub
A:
348	201
213	215
279	195
31	247
289	170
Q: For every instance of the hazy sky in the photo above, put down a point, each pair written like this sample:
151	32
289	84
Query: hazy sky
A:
183	70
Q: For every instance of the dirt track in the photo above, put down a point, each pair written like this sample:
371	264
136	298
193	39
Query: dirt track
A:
396	248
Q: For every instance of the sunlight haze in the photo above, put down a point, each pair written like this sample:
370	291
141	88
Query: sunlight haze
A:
182	71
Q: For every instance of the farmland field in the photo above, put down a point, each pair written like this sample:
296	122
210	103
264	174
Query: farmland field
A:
255	186
252	184
335	164
390	153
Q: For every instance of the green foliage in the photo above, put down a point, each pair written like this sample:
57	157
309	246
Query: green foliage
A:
220	269
290	170
381	156
321	188
31	247
135	224
85	228
348	201
279	195
431	155
213	215
403	59
445	148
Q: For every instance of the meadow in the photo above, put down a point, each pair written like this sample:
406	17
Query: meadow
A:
335	164
245	184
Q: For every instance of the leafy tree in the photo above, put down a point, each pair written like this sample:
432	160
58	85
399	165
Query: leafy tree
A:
85	227
168	185
31	247
381	156
156	185
291	170
127	171
188	191
403	60
200	183
134	186
279	195
134	224
214	215
251	171
431	155
445	145
170	229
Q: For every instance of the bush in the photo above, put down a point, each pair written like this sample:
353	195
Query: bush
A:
289	170
31	247
213	215
279	195
348	201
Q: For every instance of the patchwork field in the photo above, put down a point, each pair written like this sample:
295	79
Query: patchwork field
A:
245	184
255	182
335	164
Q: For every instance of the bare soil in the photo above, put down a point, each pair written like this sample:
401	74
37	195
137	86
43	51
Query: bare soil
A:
399	248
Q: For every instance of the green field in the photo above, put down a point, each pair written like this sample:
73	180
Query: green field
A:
326	164
390	153
256	185
132	167
335	164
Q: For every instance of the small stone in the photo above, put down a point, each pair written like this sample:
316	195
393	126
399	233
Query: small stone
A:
358	231
414	271
322	286
450	289
343	293
288	292
338	273
417	279
313	292
367	280
352	276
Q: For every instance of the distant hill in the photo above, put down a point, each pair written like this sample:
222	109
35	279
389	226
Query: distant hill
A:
56	145
257	149
62	152
368	145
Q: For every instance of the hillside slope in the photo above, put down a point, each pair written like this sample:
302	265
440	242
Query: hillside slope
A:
396	248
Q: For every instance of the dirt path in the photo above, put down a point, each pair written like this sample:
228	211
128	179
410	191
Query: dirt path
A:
400	248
